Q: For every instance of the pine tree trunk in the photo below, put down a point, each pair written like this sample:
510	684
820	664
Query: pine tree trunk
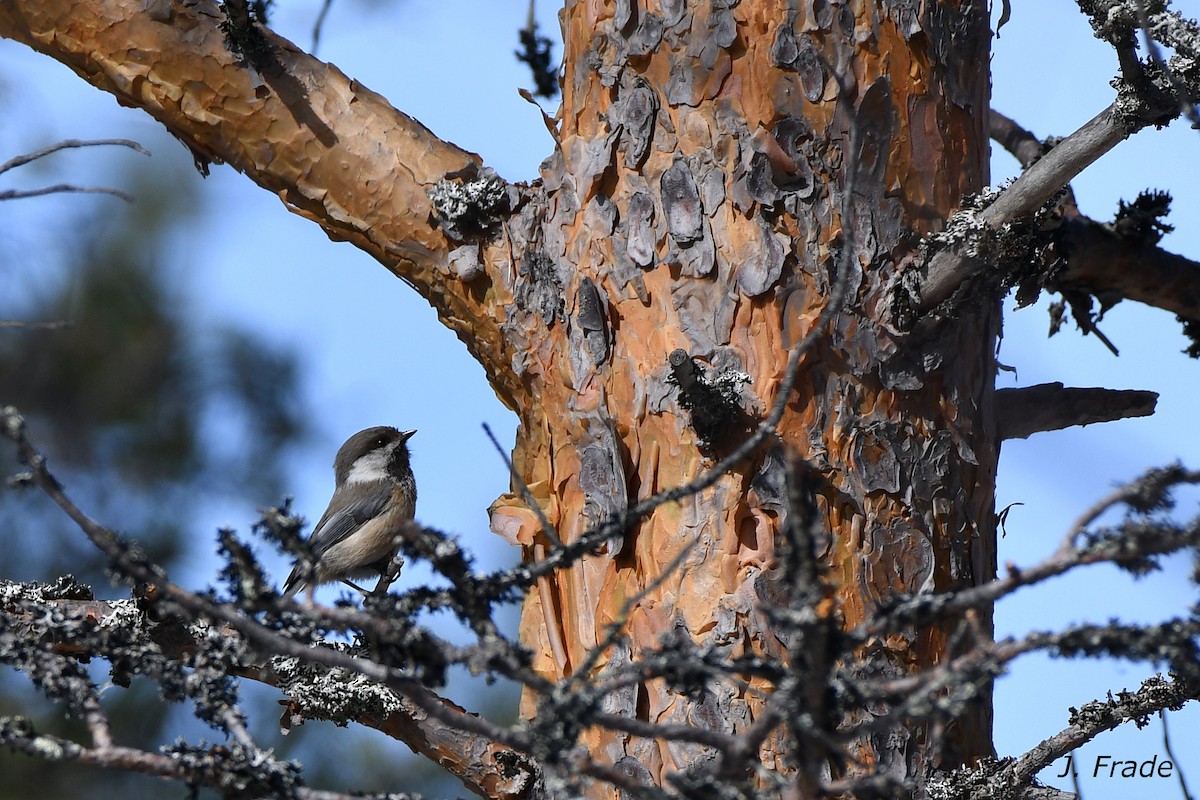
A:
695	202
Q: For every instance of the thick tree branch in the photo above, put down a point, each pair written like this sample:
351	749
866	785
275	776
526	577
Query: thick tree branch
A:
1049	174
1101	261
334	151
1051	406
1098	259
1026	148
1021	143
1155	694
996	778
948	269
1145	96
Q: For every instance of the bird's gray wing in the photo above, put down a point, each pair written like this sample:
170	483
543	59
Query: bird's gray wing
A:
338	523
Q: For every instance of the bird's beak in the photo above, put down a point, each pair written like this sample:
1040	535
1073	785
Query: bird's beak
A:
406	435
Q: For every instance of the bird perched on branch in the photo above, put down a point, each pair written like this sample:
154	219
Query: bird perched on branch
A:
374	496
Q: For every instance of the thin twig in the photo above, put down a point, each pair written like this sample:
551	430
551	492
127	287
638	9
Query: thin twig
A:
1183	787
53	325
97	723
654	730
1075	781
65	144
1124	494
64	188
319	24
235	724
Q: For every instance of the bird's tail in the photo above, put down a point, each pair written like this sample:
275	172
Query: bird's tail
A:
294	583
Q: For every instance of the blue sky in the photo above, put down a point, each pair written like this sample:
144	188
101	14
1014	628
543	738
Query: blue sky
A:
375	354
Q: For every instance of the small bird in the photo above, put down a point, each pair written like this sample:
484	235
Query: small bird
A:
374	495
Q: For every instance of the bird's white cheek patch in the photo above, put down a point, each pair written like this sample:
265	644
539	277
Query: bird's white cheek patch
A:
371	467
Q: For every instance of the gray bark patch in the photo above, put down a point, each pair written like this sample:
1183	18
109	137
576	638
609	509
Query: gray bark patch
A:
876	118
810	69
785	48
673	11
600	215
695	259
681	202
464	261
639	230
634	114
705	316
762	267
592	318
712	189
760	184
590	160
538	288
602	476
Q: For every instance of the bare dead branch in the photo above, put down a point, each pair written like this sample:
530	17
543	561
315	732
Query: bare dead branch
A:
319	24
1145	96
1170	751
66	144
50	325
1156	694
1051	406
1098	259
1022	144
64	188
1101	261
1026	148
948	269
